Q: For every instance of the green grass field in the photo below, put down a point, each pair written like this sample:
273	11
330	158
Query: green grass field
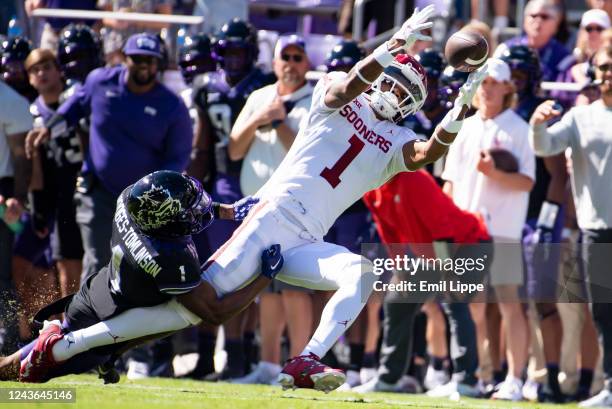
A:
173	393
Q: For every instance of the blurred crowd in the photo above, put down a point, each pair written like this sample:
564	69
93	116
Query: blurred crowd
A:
223	102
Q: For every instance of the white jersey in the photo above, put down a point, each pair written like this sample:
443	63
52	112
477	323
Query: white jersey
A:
340	155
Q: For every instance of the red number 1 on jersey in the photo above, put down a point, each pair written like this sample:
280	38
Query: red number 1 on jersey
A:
332	175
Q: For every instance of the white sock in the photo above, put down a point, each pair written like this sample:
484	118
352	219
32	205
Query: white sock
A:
500	22
131	324
341	310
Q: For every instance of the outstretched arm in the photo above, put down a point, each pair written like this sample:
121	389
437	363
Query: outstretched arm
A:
203	301
367	71
419	153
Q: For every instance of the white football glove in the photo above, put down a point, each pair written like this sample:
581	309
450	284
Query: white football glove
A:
410	31
468	90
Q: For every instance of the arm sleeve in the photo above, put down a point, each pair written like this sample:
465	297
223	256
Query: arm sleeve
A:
553	140
15	116
179	276
78	105
318	95
178	140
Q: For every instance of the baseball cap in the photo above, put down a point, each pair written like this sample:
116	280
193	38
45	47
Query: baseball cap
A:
143	44
287	40
595	16
498	70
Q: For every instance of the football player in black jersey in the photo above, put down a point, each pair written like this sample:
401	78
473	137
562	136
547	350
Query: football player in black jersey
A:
153	260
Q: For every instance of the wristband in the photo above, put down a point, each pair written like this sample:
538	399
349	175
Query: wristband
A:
216	206
382	55
361	77
548	215
450	125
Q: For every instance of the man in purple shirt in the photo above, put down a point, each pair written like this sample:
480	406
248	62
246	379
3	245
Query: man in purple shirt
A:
542	18
137	126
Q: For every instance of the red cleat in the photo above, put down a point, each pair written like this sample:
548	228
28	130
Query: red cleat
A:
35	366
307	371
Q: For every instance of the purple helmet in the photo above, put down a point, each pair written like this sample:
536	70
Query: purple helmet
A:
14	52
195	57
235	48
79	51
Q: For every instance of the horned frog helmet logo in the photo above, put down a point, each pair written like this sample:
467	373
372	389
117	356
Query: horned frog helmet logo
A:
157	208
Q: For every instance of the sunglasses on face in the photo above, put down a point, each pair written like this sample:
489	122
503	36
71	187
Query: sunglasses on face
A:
590	29
605	67
143	59
298	58
543	16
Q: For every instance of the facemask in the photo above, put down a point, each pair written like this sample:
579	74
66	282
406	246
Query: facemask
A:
385	104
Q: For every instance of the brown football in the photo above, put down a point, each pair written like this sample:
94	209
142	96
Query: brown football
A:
504	160
466	50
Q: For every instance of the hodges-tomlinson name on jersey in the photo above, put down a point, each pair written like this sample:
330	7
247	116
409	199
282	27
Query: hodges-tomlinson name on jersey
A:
133	243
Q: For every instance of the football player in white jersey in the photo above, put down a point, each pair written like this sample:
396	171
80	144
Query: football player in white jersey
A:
351	144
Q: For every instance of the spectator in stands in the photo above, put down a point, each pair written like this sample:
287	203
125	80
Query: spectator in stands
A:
545	217
261	136
117	31
585	129
15	170
541	23
50	35
593	24
475	183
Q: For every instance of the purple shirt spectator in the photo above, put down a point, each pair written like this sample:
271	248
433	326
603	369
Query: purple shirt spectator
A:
552	55
131	134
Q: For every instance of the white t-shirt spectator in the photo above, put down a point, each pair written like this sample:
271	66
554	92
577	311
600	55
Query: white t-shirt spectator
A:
15	118
267	151
472	190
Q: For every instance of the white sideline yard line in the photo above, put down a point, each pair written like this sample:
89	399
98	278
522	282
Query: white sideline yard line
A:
117	15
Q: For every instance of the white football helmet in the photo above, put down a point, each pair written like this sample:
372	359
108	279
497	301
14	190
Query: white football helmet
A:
409	75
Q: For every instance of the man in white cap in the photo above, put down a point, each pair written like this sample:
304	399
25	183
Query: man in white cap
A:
475	184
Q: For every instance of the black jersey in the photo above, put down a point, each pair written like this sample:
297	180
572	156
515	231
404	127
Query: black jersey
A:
143	270
223	103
